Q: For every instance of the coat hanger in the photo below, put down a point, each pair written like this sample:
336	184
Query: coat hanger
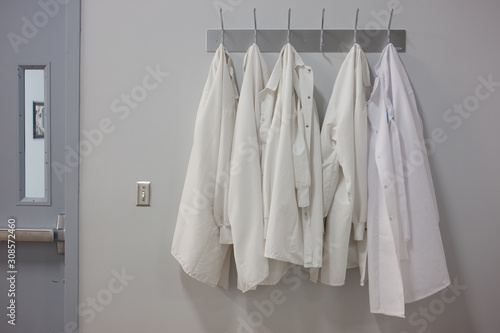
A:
356	27
389	27
221	25
255	26
321	40
288	34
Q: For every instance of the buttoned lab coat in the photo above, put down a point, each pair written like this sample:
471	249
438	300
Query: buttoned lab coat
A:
344	149
245	209
292	177
406	260
202	232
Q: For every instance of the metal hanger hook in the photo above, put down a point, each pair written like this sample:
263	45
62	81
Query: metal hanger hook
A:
221	25
389	27
288	35
356	27
255	26
322	42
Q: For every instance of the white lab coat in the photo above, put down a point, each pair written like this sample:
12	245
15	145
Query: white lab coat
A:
245	187
406	260
292	177
202	232
345	171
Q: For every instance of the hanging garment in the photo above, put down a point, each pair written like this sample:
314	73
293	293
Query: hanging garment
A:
406	260
292	177
345	179
245	211
202	232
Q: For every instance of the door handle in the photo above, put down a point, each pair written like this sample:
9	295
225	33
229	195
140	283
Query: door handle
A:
56	235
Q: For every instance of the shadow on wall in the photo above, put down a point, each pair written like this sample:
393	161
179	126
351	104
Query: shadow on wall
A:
289	307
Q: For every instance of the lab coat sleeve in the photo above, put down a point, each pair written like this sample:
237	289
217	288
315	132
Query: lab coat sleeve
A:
301	168
195	243
361	151
266	105
363	88
223	166
245	188
331	166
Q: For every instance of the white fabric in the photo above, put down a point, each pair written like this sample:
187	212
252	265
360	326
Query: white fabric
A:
245	187
344	150
406	260
292	177
202	227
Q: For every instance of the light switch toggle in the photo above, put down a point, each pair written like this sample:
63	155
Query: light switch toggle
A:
143	193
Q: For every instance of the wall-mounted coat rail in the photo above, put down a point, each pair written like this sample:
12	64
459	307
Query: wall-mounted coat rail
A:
305	40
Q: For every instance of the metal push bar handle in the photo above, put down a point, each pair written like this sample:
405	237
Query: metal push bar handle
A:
39	235
29	235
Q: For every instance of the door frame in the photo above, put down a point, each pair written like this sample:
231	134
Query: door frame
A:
72	189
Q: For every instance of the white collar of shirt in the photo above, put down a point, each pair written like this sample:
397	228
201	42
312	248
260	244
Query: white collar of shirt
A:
278	68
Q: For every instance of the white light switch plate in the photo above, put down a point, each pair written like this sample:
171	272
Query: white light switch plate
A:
143	195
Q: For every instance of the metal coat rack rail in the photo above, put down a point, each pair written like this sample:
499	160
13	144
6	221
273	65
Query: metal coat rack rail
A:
305	40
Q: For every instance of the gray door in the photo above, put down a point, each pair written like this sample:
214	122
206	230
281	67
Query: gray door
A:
39	126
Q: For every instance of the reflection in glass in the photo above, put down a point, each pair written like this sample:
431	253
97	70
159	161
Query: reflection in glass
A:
34	133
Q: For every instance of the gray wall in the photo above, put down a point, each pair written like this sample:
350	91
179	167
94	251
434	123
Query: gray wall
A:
451	49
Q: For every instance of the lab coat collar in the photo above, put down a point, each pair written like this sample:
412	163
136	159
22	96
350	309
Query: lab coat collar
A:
223	55
383	71
366	73
278	68
253	51
384	61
